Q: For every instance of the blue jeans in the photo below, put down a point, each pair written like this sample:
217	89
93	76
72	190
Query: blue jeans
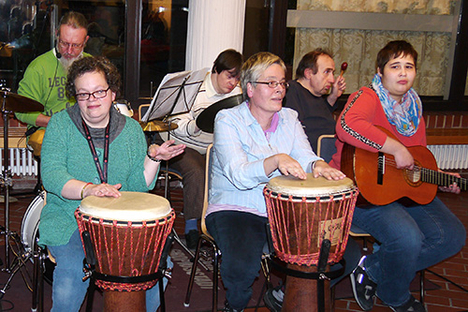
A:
242	238
68	289
412	239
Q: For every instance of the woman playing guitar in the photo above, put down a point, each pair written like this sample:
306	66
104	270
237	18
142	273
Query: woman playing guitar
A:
411	238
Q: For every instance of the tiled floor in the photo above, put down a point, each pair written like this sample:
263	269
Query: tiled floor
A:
447	298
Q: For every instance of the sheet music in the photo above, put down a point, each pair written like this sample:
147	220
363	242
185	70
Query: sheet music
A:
176	94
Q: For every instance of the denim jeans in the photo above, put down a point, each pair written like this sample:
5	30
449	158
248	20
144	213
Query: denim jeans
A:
242	238
68	289
412	239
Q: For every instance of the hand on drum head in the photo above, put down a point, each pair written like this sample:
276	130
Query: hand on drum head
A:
287	165
166	150
322	169
102	190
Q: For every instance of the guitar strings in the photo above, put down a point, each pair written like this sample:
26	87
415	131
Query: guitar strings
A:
433	176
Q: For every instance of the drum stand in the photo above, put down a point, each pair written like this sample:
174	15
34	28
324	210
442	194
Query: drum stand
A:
21	256
300	301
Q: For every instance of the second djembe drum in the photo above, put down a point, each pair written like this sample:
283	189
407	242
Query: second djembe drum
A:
302	213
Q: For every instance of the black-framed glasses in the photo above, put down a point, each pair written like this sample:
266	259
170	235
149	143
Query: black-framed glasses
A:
65	45
99	94
274	84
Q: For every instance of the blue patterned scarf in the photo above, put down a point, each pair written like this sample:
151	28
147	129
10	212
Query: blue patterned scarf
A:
405	116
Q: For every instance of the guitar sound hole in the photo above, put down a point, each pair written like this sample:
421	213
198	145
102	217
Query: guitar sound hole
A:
413	176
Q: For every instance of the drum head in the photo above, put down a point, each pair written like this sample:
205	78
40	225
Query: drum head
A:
30	222
310	187
131	206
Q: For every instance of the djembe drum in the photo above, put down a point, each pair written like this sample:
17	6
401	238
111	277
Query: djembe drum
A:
127	235
302	214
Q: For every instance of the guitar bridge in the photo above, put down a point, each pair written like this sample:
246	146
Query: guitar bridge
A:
380	167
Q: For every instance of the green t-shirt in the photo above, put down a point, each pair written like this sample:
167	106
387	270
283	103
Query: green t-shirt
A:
44	81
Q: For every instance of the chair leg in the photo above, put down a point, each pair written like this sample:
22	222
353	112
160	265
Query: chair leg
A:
422	274
38	281
90	295
192	273
162	300
217	255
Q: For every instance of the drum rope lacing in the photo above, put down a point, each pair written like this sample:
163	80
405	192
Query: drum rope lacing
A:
135	279
300	219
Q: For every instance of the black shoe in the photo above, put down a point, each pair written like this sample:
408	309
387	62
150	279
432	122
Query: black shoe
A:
273	299
363	288
228	308
191	239
412	305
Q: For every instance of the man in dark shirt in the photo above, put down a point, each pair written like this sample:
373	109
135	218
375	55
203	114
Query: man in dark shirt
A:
307	94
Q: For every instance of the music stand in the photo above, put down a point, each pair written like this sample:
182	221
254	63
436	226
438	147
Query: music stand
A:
176	94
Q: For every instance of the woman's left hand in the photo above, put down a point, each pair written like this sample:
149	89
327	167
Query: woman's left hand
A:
166	150
322	169
453	188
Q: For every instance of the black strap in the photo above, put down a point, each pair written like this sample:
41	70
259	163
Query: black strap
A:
102	173
128	279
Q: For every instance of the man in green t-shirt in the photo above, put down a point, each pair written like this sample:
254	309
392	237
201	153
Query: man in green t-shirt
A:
45	78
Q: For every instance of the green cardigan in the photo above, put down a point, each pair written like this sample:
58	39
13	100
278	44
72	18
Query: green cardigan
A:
66	155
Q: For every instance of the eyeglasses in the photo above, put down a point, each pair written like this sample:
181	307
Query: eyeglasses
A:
66	45
99	94
273	84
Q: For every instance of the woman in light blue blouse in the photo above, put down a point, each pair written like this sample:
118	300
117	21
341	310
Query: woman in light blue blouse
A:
253	142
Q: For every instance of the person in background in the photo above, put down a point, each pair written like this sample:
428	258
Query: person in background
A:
411	238
70	172
222	82
45	78
254	142
314	94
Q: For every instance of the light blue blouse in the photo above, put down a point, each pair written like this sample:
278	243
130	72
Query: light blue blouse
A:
237	176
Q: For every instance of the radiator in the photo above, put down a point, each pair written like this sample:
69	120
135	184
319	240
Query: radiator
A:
22	162
450	156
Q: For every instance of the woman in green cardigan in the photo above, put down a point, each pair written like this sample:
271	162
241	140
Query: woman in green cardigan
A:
70	172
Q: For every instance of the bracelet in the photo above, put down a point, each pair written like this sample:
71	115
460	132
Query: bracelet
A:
82	190
150	157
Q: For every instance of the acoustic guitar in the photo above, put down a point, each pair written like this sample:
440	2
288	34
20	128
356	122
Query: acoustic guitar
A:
381	183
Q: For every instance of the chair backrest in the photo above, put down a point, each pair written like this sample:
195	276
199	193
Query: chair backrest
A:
142	109
205	196
326	146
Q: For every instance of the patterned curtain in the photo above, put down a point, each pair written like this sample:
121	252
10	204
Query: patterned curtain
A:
359	47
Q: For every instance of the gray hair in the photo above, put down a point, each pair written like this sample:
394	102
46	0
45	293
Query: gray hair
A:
255	66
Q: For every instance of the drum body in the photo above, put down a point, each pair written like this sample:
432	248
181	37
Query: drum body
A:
123	107
302	213
127	234
35	141
30	222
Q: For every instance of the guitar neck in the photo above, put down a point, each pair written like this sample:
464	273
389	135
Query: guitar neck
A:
442	179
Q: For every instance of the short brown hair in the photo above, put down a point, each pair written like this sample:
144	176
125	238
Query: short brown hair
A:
395	49
310	61
93	64
227	60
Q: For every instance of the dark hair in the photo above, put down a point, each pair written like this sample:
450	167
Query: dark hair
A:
227	60
395	49
73	19
310	61
93	64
